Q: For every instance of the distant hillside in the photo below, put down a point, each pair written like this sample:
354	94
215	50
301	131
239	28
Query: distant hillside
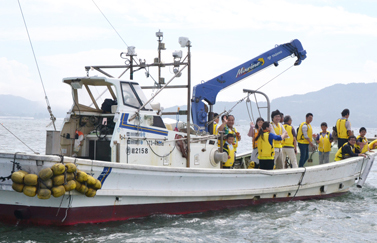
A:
325	104
18	106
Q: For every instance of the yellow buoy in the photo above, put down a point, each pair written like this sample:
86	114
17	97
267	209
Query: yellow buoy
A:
31	179
91	181
83	189
47	184
18	187
71	185
44	194
58	168
78	185
23	172
58	180
71	167
91	192
98	185
70	176
58	191
81	176
18	177
45	174
30	191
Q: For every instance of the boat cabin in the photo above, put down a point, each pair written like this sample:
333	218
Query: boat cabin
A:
110	120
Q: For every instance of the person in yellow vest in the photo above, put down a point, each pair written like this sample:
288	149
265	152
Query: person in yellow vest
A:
373	144
229	149
266	150
343	128
228	127
253	132
277	129
348	150
324	140
290	144
215	124
361	141
304	138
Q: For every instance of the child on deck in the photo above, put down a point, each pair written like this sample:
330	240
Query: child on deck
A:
362	141
324	140
229	149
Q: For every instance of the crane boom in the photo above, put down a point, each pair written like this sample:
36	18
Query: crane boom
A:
208	90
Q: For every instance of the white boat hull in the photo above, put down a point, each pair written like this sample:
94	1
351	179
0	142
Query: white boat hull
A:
131	191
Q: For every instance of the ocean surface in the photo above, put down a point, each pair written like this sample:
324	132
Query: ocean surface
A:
348	218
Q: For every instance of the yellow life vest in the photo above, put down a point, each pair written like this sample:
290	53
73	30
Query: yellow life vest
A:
230	151
365	148
339	156
324	143
215	132
230	131
372	143
278	131
255	142
233	131
300	135
341	128
288	142
265	149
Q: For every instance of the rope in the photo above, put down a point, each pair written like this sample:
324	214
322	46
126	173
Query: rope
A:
52	117
59	206
70	198
161	156
230	110
18	138
256	102
299	183
251	111
15	165
110	23
274	77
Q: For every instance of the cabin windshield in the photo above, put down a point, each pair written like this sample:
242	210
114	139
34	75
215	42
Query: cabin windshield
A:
91	97
133	95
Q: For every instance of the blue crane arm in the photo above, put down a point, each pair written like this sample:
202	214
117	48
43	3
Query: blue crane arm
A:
208	90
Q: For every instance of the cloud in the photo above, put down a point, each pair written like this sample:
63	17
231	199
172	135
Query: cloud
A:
275	15
16	79
272	15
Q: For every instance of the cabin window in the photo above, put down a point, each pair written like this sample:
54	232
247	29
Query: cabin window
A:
141	95
134	96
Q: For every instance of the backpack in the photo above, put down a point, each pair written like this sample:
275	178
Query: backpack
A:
334	133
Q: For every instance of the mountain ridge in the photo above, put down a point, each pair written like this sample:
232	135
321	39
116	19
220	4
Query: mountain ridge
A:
325	104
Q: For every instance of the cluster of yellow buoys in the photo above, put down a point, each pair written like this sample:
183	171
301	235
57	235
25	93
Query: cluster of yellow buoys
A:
55	181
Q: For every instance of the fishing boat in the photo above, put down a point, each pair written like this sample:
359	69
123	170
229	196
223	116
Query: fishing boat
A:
146	166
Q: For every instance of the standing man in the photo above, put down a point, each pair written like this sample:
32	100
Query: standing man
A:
304	138
290	143
277	128
343	128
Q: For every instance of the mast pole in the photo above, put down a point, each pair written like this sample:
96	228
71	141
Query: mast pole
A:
188	103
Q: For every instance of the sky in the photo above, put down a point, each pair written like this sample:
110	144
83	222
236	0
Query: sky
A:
340	37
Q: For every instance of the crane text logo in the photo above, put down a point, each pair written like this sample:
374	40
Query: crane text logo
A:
253	66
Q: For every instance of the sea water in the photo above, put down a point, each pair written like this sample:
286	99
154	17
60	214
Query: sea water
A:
348	218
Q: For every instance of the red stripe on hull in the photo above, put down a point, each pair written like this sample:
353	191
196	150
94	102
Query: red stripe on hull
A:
51	216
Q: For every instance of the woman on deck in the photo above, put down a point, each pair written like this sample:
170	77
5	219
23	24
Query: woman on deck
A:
253	132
